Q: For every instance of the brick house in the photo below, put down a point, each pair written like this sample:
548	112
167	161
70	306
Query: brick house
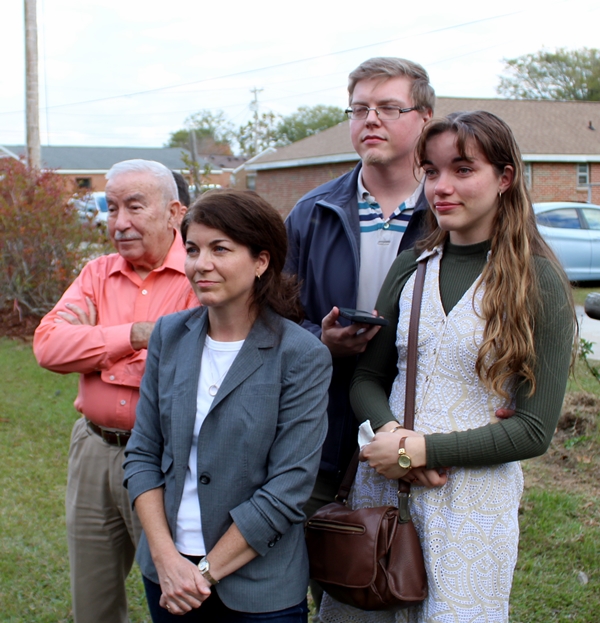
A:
560	143
86	166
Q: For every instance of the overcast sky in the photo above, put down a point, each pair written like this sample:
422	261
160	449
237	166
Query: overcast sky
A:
129	72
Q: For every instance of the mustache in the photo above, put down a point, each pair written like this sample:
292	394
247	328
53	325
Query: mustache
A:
121	237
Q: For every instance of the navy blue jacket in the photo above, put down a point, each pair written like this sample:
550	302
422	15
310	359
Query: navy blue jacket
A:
324	252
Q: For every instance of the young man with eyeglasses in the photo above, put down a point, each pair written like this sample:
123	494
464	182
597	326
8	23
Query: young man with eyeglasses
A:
344	235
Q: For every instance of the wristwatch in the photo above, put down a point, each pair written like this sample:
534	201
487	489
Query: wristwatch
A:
204	567
404	461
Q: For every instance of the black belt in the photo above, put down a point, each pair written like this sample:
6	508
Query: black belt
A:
113	437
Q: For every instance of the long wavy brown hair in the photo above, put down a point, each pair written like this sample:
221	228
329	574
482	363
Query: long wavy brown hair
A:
511	298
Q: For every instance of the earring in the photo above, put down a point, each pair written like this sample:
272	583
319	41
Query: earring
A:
499	194
258	276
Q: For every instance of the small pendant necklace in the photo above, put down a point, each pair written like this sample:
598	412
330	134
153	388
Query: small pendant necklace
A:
213	388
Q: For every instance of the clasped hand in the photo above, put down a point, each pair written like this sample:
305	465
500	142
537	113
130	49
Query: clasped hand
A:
382	455
183	586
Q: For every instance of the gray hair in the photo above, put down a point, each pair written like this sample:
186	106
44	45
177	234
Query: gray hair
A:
386	67
164	177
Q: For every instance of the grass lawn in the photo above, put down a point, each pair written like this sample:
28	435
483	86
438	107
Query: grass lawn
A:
579	293
557	576
35	426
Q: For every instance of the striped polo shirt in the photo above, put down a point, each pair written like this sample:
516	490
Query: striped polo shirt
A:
379	241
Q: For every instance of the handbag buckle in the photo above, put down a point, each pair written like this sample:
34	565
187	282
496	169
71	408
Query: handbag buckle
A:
403	510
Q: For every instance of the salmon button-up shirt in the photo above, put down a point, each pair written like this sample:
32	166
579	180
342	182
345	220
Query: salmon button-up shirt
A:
111	370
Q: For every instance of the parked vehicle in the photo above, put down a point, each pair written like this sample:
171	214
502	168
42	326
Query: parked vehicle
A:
93	209
573	231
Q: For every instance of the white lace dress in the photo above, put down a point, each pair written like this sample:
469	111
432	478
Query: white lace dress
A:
469	527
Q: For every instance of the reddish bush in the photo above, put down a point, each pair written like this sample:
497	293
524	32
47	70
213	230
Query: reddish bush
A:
42	244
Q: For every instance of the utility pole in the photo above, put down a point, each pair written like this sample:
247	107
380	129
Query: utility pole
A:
31	86
194	161
254	107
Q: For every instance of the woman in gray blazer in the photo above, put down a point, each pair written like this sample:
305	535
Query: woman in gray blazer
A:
229	428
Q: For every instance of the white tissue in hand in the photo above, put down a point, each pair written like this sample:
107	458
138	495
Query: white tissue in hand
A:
365	434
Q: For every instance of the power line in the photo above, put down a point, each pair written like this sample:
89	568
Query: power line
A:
276	66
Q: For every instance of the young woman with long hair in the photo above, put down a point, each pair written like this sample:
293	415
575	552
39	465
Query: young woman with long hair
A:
496	332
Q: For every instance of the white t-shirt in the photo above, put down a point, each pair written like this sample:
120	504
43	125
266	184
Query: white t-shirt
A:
217	358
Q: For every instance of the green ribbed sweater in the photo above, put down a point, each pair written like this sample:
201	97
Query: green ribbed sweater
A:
529	432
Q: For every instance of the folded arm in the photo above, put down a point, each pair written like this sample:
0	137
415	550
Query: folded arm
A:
73	338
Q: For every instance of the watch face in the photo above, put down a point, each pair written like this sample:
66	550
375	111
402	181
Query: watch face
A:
203	566
404	461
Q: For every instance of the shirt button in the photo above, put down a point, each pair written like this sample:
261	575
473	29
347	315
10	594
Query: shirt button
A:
386	226
123	402
144	292
112	377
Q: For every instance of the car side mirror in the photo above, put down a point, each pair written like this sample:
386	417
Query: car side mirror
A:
592	305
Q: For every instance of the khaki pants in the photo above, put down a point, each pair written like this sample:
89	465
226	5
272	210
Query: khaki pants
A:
102	529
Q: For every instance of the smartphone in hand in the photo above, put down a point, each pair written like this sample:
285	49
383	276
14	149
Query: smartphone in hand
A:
365	317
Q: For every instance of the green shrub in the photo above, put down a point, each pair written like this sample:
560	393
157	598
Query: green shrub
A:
42	244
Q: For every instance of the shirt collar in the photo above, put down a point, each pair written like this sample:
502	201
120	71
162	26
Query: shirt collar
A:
365	196
174	260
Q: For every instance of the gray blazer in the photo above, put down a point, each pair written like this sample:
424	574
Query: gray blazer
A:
258	450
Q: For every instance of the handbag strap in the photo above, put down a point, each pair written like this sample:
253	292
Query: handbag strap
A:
413	338
411	379
409	404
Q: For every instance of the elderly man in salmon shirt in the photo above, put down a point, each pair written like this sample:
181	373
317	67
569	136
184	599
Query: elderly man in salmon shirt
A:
100	329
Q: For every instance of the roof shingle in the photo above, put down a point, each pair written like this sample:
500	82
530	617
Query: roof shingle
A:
540	127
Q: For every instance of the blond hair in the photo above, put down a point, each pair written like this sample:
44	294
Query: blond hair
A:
386	67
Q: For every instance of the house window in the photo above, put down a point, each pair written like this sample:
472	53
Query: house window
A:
528	171
83	182
251	182
583	174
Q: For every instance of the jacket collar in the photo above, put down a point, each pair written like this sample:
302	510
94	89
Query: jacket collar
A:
344	194
263	335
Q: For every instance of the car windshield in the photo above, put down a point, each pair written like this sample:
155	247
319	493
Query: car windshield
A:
565	218
101	202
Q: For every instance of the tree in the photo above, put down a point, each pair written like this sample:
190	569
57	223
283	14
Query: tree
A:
213	133
258	134
306	121
560	75
42	243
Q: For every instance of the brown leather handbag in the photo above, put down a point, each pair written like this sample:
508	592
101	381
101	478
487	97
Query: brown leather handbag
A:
371	558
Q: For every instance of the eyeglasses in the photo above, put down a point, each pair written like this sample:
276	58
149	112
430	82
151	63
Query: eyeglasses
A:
387	113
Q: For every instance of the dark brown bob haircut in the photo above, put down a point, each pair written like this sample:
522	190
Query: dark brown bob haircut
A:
248	219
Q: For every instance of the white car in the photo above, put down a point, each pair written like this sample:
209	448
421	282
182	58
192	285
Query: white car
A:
93	209
573	231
